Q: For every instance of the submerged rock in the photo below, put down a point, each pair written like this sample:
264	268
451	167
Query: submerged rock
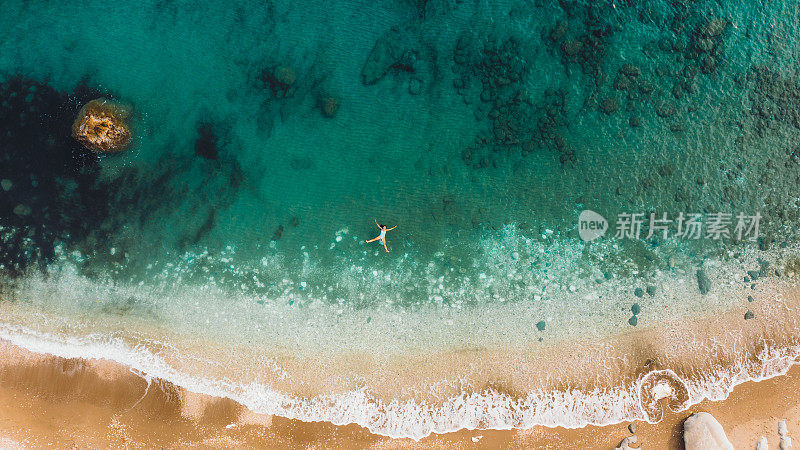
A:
540	325
610	105
389	51
102	126
713	27
748	315
280	80
701	431
330	106
630	70
6	184
284	75
703	283
22	210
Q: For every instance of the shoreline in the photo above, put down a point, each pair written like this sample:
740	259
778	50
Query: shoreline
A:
637	373
93	403
585	383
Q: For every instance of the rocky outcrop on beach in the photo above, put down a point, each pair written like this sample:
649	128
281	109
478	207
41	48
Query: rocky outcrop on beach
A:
702	431
783	434
102	126
784	443
627	443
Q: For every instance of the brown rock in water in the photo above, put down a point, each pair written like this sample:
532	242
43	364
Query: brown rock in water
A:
102	126
330	106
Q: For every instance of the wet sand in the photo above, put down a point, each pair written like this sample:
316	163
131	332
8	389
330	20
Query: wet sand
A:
46	400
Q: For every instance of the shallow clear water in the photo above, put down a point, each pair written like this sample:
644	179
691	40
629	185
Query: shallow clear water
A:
481	130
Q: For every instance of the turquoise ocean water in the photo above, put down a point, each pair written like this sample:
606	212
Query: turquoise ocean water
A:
233	229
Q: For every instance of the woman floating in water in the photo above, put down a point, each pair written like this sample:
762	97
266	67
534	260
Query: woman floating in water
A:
382	236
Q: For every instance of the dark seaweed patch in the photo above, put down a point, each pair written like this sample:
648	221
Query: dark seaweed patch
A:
54	193
206	144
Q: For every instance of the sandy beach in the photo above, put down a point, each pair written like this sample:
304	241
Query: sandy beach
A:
51	401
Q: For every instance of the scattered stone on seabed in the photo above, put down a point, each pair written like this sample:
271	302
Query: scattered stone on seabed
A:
635	309
635	122
750	298
703	282
633	321
571	47
666	110
280	80
713	27
622	82
676	128
285	75
540	325
651	290
6	184
632	428
753	274
22	210
701	431
102	126
748	315
330	106
630	70
278	233
638	292
610	105
626	443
